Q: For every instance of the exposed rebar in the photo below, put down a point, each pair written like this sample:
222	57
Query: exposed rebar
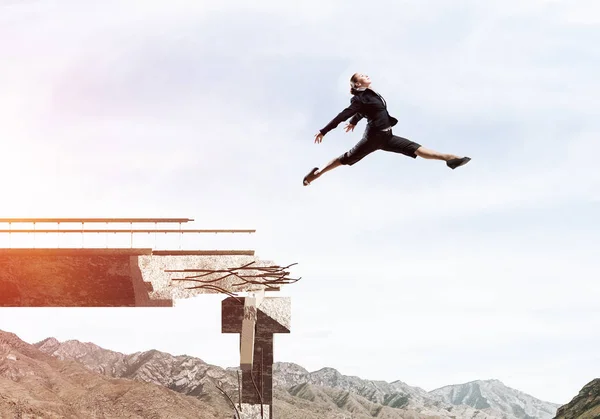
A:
231	401
268	276
257	392
239	389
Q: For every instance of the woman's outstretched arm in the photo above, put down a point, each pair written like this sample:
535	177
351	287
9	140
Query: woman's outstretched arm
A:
354	108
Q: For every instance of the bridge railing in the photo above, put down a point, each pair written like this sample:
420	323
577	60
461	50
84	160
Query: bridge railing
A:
9	227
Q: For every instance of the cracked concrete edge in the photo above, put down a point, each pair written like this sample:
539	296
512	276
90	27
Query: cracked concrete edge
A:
279	309
152	268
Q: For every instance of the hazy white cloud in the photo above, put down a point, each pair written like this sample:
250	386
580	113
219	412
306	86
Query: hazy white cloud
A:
583	12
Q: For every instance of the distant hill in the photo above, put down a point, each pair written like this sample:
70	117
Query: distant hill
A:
586	405
493	395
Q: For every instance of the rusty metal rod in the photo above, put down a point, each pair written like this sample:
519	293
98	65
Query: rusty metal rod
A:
122	230
95	220
208	270
257	391
239	389
271	269
237	413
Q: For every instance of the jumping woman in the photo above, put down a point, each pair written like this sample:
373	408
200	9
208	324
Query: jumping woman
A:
366	103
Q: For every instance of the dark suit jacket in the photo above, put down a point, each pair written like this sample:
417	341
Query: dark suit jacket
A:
365	104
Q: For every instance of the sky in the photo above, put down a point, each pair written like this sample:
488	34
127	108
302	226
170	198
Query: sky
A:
410	271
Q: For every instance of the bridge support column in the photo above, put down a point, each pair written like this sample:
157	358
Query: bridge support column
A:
256	324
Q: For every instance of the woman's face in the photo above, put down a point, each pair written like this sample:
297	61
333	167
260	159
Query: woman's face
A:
362	80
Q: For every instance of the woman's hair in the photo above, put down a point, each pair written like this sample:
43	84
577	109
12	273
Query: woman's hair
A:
352	84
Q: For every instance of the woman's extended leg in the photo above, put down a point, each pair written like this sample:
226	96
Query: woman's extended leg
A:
434	155
451	160
316	173
363	148
409	148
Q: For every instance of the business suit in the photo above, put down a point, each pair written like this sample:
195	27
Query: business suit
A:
378	134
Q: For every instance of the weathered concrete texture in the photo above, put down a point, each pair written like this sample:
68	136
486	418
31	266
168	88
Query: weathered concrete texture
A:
153	271
108	277
260	378
232	314
250	411
262	372
40	278
279	309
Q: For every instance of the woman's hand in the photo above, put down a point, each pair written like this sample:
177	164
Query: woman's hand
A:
318	137
349	127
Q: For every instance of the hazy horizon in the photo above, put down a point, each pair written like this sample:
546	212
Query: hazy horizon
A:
281	361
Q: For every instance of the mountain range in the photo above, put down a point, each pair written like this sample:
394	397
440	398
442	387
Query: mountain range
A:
74	379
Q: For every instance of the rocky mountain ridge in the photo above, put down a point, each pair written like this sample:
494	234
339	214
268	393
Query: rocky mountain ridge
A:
327	388
36	385
494	395
586	405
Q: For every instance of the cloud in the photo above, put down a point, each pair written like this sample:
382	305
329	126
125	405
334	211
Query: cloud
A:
586	12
